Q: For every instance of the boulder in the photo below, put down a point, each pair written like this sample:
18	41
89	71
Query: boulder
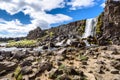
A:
7	66
26	70
18	54
44	66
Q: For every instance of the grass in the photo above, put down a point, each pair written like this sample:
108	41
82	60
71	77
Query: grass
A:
22	43
18	74
83	58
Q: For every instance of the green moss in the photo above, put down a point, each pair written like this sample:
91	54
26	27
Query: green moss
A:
18	74
51	34
82	57
99	24
109	41
62	66
48	34
81	29
22	43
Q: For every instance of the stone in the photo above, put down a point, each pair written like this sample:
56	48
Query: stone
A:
76	77
114	71
100	70
54	73
63	77
26	63
51	45
62	52
44	47
45	66
7	66
26	70
1	58
61	44
37	53
116	57
117	66
84	62
18	54
6	54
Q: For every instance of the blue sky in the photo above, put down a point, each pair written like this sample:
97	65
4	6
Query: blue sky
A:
18	17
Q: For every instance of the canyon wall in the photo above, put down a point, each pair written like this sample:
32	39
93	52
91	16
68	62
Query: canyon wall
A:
111	23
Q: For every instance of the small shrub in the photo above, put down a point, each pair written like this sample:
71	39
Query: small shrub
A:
62	66
83	58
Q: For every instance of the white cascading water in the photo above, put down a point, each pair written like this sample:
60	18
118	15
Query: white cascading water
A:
89	29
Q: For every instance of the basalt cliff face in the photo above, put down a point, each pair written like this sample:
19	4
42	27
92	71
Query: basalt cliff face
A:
71	28
111	23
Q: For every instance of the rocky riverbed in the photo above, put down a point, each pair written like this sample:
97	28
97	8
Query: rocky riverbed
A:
60	63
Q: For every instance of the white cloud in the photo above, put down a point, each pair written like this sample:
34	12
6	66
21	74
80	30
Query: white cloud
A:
36	9
14	28
77	4
102	5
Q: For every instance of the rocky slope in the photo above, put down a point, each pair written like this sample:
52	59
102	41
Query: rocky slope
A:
61	63
111	23
71	28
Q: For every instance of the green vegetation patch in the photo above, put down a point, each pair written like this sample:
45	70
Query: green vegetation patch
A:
17	74
99	24
22	43
81	29
82	58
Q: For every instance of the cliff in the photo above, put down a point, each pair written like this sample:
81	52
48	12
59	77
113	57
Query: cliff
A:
70	28
111	23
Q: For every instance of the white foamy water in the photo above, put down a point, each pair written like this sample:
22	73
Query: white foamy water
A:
3	44
89	29
7	49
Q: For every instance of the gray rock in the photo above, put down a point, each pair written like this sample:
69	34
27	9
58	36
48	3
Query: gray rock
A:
54	73
45	66
116	57
6	53
61	52
18	54
7	66
1	58
36	53
26	63
117	66
26	70
61	44
84	62
114	71
99	69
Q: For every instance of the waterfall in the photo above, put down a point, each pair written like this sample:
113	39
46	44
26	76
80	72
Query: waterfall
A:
89	29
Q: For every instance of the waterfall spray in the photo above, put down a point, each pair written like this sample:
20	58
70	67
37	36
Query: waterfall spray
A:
89	29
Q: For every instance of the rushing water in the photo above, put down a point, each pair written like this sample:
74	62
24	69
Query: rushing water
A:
89	29
7	49
3	44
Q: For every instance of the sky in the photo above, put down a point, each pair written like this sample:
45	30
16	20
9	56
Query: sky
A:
18	17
